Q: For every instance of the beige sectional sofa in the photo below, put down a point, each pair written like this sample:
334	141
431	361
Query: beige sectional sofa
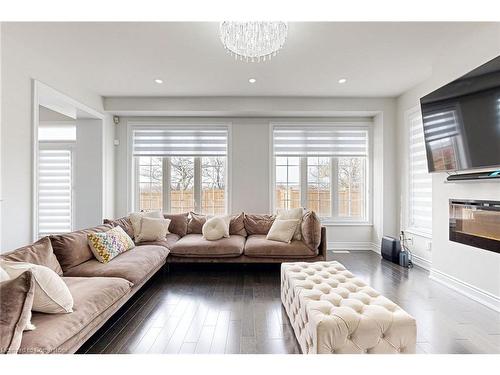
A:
100	289
247	242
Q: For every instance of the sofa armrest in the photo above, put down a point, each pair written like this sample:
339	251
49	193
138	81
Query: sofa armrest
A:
323	243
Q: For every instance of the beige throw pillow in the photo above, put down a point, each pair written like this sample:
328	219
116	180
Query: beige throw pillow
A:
52	296
216	228
282	230
293	213
153	229
135	219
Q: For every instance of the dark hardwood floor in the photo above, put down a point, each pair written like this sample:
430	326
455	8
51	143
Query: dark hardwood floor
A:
237	309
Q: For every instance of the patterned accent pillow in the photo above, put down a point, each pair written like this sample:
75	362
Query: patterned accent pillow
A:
107	245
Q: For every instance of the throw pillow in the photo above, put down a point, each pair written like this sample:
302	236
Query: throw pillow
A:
72	249
52	296
311	230
15	310
135	219
237	225
153	229
196	222
41	253
293	213
110	244
258	224
282	230
123	222
216	228
179	223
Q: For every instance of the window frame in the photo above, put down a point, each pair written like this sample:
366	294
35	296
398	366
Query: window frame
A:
407	220
132	170
334	220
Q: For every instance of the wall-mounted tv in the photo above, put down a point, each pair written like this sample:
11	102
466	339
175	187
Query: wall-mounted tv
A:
462	121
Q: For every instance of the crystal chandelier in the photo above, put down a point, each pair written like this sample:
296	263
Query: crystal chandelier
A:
253	41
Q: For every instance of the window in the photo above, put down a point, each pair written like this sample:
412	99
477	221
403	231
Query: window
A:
54	208
323	168
419	180
150	182
319	185
287	182
181	169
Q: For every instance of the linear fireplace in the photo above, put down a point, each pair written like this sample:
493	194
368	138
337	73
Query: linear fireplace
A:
475	223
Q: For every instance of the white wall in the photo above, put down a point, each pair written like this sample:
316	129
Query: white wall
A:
473	271
250	162
19	67
88	171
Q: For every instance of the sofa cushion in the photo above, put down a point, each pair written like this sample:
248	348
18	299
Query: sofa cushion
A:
92	295
258	224
40	253
134	265
15	311
237	225
124	223
258	246
178	223
311	230
196	222
196	246
72	249
167	242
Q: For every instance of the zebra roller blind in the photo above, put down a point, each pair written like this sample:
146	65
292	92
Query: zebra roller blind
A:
329	141
180	141
54	191
419	179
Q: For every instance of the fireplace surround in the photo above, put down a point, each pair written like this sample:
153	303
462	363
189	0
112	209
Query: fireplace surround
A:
475	223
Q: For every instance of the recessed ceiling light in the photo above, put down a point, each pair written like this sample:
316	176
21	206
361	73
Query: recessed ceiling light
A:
343	80
159	81
252	80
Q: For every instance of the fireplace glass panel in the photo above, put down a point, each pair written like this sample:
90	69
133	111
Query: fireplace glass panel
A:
476	223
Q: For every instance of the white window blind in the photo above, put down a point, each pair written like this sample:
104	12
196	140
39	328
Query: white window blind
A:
54	191
419	180
180	141
320	141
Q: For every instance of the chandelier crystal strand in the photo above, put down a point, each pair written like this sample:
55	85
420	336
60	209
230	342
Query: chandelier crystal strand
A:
253	41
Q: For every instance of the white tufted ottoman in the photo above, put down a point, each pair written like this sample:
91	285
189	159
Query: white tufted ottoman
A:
332	311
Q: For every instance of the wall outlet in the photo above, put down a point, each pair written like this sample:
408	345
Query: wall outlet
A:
409	240
429	246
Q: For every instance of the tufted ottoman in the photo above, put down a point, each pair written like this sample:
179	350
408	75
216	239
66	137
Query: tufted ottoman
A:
332	311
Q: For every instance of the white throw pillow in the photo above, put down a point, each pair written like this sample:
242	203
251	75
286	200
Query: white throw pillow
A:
4	276
135	219
293	213
153	229
52	295
282	230
216	228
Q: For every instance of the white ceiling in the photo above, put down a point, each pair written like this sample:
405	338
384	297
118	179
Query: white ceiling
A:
123	59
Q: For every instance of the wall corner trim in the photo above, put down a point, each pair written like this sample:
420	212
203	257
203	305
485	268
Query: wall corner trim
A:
483	297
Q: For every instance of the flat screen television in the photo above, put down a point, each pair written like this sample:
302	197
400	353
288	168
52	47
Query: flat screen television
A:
462	121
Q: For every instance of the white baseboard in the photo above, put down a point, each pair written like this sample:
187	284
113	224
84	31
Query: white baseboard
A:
475	293
421	262
351	246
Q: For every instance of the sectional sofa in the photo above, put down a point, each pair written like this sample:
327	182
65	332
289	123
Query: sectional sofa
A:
100	289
